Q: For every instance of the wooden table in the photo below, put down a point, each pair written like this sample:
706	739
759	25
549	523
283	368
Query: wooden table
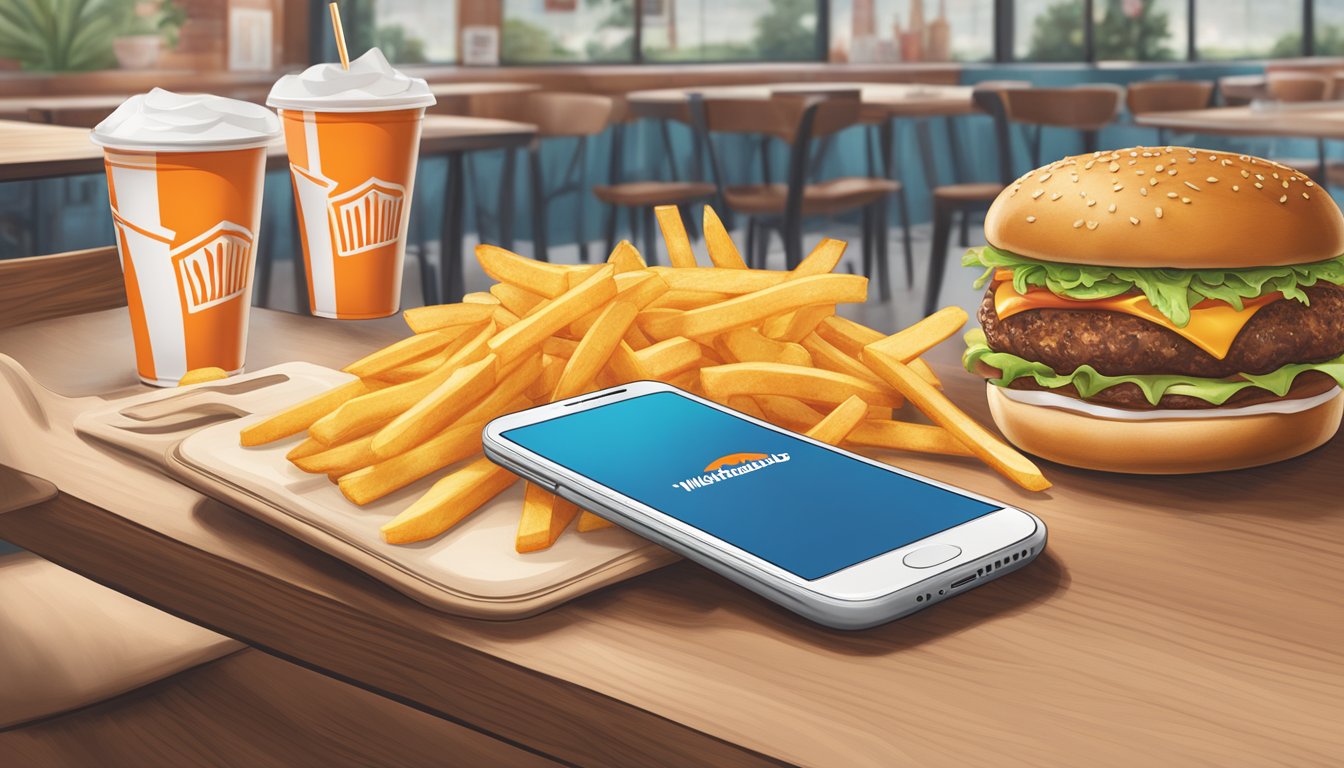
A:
1316	120
1171	621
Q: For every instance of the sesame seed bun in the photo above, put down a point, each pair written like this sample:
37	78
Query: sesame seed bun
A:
1174	207
1165	446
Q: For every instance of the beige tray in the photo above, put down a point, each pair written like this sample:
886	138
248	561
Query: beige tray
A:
472	570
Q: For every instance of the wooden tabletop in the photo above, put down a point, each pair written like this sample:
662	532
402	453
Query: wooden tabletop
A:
890	99
1171	620
1309	120
39	151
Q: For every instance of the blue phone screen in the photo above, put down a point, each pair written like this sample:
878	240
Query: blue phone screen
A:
804	508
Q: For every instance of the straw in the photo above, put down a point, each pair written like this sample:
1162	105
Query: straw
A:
339	31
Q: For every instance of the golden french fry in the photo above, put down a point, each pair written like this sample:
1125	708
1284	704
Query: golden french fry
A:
558	347
689	381
747	405
722	252
433	318
531	331
297	418
595	349
339	459
503	317
625	364
454	397
548	280
752	308
851	337
638	288
679	253
789	412
306	447
590	522
408	350
822	260
426	366
577	273
448	502
813	385
625	258
795	326
202	375
668	358
689	299
637	338
735	281
541	388
825	355
937	407
517	300
361	414
908	344
747	345
840	421
480	297
544	518
904	436
450	446
925	372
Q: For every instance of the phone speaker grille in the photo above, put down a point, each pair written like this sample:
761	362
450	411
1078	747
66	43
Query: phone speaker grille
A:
1004	561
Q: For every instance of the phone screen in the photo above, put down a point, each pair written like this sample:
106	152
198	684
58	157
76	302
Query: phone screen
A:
807	509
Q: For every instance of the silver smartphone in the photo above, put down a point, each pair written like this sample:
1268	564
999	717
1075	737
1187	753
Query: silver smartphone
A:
836	537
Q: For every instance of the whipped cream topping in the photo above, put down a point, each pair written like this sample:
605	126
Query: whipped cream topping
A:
168	121
371	84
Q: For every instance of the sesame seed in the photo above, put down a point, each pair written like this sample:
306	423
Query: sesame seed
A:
1185	200
1078	224
1212	180
1143	191
1158	168
1044	177
1055	196
1226	163
1235	188
1258	176
1310	183
1276	175
1171	195
1172	172
1283	199
1258	185
1131	162
1138	172
1152	182
1075	178
1213	157
1089	165
1114	167
1193	151
1192	186
1031	219
1110	208
1285	185
1305	196
1158	211
1133	220
1133	154
1245	174
1091	225
1117	187
1091	203
1193	159
1083	195
1037	193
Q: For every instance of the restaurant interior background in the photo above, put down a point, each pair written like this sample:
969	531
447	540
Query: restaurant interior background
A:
236	47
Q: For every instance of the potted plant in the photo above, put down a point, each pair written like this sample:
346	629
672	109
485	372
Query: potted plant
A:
144	29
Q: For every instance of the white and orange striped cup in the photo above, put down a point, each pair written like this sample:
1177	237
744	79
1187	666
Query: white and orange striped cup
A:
353	138
184	179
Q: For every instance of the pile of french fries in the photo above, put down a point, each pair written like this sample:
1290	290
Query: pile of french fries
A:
766	343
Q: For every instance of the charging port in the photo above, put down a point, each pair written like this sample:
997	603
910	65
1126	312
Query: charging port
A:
963	582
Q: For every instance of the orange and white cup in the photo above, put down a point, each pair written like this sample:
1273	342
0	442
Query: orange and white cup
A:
184	179
353	138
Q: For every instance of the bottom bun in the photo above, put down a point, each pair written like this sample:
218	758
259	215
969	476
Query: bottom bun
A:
1166	446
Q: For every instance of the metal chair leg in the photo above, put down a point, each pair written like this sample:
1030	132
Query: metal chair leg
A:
904	210
751	240
506	187
868	242
880	234
582	192
965	233
650	237
539	246
942	232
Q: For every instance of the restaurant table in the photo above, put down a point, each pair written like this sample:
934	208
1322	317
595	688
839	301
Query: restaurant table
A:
38	151
1317	120
1170	621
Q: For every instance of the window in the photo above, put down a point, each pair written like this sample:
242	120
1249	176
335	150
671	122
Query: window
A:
1049	30
1329	37
729	30
1243	29
1140	30
548	31
866	31
407	31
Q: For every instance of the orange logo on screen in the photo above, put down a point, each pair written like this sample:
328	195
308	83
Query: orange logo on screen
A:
733	459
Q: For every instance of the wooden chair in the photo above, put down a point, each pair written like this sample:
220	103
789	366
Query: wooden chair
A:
972	197
1167	96
1085	108
638	198
1290	87
577	116
796	121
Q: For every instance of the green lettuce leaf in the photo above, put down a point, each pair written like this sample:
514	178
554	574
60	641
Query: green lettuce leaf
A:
1171	291
1089	382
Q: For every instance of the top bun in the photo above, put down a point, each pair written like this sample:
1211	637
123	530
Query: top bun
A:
1174	207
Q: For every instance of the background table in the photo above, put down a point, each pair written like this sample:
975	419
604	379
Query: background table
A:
1172	620
1323	120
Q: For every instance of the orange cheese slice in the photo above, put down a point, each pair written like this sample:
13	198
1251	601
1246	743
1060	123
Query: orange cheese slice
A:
1213	325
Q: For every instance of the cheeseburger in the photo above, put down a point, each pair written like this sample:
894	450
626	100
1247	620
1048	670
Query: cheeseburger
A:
1162	310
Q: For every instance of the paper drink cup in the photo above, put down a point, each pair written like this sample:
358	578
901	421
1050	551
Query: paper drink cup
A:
184	180
353	138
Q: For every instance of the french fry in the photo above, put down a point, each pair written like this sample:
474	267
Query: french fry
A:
822	260
689	299
638	288
530	332
722	252
636	338
449	502
840	421
907	344
540	389
747	405
339	459
441	407
668	358
408	350
376	480
625	258
426	366
503	317
937	407
517	300
721	382
795	326
904	436
748	345
754	307
360	414
202	375
480	297
558	347
589	522
575	274
548	280
625	364
306	447
851	337
924	372
789	412
427	319
297	418
737	281
544	518
827	356
679	253
592	352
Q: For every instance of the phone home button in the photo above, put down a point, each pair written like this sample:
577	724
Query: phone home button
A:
934	554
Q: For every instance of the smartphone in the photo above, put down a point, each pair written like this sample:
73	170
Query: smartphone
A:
841	539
